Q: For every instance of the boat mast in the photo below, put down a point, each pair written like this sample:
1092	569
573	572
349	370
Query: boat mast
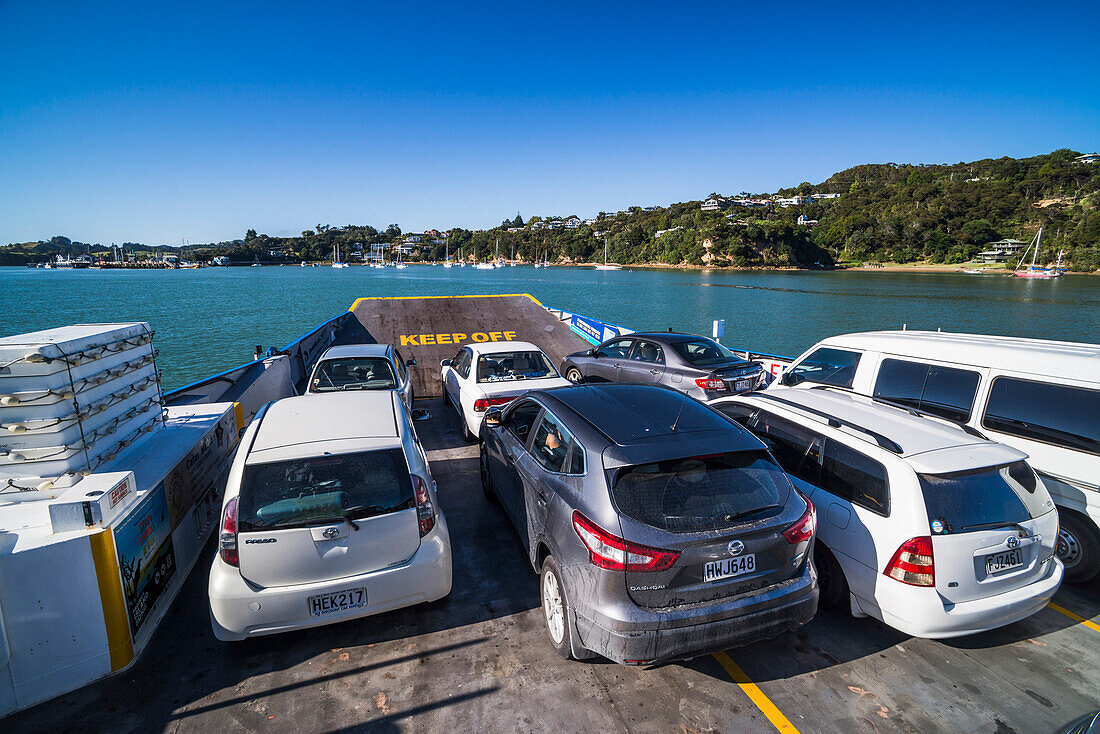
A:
1035	254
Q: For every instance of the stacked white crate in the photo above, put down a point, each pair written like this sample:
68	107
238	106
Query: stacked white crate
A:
70	399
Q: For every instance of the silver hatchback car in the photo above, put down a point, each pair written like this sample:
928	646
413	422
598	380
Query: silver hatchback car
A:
661	530
363	367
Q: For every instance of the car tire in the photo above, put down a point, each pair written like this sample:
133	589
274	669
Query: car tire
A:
1078	548
555	610
486	479
574	375
463	428
830	577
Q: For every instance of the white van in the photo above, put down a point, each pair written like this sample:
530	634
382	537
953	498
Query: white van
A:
933	530
329	514
1042	397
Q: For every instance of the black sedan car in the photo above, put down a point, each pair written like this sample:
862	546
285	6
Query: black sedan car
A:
695	365
660	529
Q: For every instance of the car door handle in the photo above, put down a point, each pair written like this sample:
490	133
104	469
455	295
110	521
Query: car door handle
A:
654	372
542	499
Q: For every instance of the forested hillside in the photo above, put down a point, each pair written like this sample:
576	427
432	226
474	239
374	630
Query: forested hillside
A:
886	212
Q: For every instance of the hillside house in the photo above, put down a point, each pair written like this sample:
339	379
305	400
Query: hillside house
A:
1001	251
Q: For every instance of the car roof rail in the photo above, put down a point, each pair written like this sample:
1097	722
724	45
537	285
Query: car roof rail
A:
834	422
915	412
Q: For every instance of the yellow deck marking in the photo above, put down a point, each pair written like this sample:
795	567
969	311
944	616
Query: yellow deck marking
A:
417	298
779	721
1075	617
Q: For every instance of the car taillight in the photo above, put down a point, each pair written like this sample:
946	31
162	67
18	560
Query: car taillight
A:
425	513
710	383
803	528
912	563
615	554
483	404
227	539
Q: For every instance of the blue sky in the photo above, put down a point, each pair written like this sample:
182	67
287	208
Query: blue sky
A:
155	123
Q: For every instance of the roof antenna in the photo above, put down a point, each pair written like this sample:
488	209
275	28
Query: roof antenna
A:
676	422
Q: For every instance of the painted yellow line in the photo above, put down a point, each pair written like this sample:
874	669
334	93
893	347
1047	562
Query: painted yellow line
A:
119	644
1075	617
779	721
415	298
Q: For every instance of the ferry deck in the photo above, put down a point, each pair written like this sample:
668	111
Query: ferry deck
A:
479	659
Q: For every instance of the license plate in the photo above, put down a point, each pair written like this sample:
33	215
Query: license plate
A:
729	567
337	601
741	385
997	562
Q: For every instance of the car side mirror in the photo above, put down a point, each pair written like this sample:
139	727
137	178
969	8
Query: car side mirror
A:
789	378
595	353
492	416
410	362
444	363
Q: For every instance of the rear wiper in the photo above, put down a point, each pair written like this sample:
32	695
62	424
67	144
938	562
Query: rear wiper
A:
998	524
746	513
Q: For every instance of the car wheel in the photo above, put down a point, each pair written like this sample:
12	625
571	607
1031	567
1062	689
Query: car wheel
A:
574	375
486	480
555	609
465	429
830	577
1078	548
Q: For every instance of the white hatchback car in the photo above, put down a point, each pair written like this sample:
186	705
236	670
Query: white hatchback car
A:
934	530
329	514
362	367
494	373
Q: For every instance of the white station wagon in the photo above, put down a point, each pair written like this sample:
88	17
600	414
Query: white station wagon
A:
931	529
329	514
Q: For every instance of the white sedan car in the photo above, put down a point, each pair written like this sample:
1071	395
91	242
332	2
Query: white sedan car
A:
329	514
494	373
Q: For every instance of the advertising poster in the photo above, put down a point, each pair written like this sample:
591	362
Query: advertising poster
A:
144	546
193	480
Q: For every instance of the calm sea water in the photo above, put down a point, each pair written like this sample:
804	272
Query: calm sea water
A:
209	320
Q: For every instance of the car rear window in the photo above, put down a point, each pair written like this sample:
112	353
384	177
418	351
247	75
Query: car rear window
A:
967	501
301	492
701	493
704	352
353	373
508	366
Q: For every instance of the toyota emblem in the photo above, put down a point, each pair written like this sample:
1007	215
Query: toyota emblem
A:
331	533
1013	542
735	547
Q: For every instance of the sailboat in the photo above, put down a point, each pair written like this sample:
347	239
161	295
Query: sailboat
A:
606	265
336	257
1032	271
399	265
447	256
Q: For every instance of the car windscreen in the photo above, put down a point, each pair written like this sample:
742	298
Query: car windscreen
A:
701	493
510	366
703	353
353	373
983	498
301	492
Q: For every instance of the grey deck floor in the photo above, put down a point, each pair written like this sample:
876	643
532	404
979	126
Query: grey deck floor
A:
478	661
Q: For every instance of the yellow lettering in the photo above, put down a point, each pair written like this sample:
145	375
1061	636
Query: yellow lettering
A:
442	338
409	339
495	335
509	335
479	337
427	339
458	338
